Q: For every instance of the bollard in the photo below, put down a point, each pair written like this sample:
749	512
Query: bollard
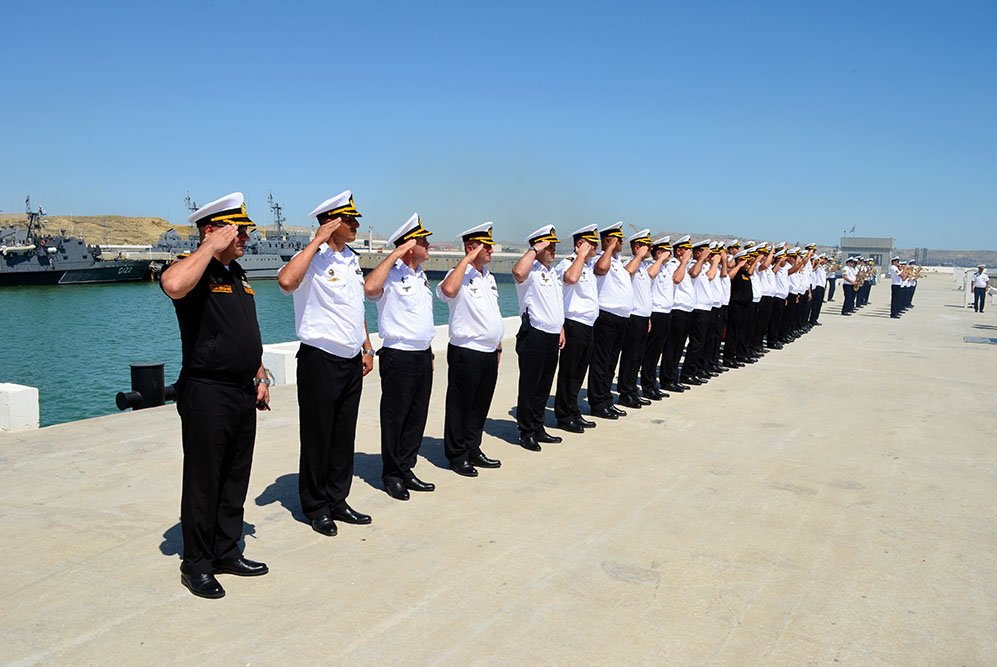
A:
148	390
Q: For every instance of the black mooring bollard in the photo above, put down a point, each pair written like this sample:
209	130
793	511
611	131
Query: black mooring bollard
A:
148	388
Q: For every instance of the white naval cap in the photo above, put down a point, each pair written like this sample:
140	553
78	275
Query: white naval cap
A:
410	229
732	244
895	258
641	236
683	242
341	204
230	209
780	252
614	230
780	245
481	233
588	232
545	233
699	244
663	242
741	253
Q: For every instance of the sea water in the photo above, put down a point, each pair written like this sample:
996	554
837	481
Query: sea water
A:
75	342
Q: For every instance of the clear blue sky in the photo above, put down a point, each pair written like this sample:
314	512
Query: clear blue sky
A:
771	120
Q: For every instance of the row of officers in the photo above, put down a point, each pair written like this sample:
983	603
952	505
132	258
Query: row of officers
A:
595	314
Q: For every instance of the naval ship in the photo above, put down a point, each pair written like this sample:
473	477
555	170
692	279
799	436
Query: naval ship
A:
29	256
264	255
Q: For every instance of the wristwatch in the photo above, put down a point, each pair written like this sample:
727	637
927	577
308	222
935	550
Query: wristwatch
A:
268	381
369	353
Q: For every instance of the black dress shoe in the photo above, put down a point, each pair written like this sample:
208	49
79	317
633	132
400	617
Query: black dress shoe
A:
413	483
240	566
604	413
674	386
482	461
619	413
585	423
347	514
570	426
202	585
654	394
527	441
691	381
325	526
640	399
544	436
464	468
629	401
396	489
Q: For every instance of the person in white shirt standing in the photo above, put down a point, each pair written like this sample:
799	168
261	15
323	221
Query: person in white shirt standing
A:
616	302
334	355
683	303
849	276
662	300
541	335
981	281
635	339
693	369
896	287
581	308
399	287
473	355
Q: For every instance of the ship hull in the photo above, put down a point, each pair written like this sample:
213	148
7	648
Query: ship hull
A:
113	272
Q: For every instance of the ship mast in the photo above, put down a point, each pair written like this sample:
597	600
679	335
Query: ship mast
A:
189	203
278	215
34	218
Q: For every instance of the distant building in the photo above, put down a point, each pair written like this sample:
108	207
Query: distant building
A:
879	249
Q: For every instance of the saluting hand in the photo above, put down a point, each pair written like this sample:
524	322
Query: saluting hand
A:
473	253
404	248
326	229
642	251
218	238
539	247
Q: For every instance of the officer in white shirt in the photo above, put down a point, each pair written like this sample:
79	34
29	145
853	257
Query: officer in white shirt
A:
399	287
896	287
981	281
849	276
652	376
714	333
780	292
334	355
476	332
683	303
541	334
581	308
635	339
694	370
616	301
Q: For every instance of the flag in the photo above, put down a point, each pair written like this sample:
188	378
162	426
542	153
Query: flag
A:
853	229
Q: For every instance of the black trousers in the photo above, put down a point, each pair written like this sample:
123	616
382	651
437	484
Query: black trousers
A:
653	351
632	354
910	299
830	288
471	377
816	304
571	370
896	300
862	296
979	297
699	326
607	341
775	320
218	428
718	325
737	321
328	400
537	352
849	304
763	311
406	385
678	332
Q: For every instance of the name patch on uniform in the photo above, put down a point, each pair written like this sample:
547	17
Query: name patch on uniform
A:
222	289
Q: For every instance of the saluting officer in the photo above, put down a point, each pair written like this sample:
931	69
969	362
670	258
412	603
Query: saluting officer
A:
334	355
581	308
616	301
399	287
476	332
541	335
662	299
635	339
222	384
683	303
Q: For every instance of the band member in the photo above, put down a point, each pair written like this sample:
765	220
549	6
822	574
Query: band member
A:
541	307
473	355
334	356
222	384
399	287
581	308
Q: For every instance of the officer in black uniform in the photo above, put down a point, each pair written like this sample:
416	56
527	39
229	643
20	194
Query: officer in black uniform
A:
221	386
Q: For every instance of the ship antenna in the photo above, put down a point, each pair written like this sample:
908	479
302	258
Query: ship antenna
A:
34	217
278	214
189	203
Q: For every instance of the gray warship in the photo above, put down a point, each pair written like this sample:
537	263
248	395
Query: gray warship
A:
265	255
30	256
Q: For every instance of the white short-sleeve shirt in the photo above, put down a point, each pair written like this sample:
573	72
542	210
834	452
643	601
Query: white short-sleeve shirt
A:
540	295
616	292
641	282
475	319
328	304
663	288
581	300
405	309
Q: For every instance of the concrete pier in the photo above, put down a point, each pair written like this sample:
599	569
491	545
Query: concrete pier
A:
833	503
